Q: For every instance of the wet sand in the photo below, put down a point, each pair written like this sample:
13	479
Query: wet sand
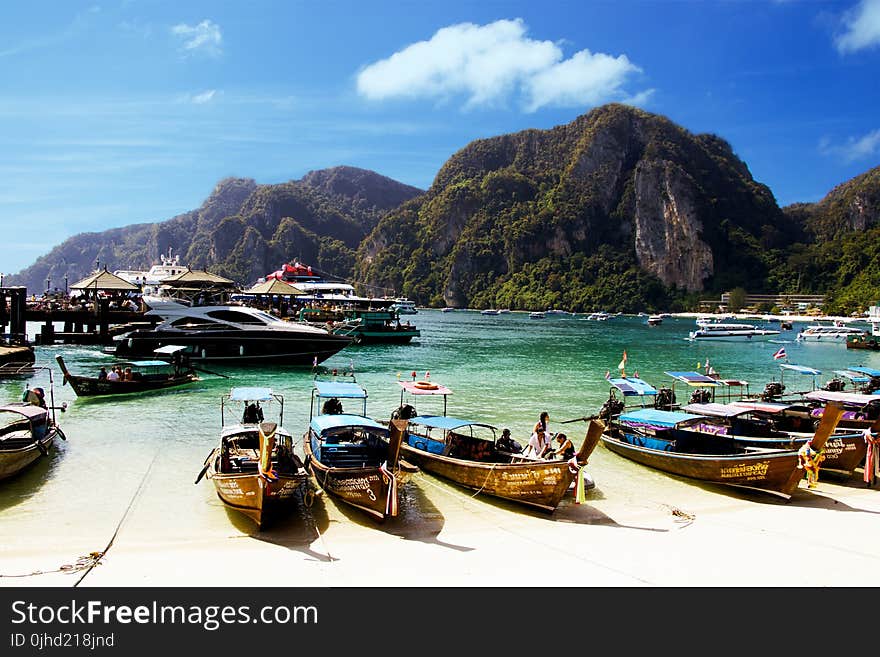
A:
638	528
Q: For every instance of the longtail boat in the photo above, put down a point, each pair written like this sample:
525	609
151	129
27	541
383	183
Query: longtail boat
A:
28	429
147	376
648	436
254	468
468	453
757	424
351	456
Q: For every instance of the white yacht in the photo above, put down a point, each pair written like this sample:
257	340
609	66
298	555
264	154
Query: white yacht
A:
830	333
490	311
226	333
404	306
537	315
168	266
736	332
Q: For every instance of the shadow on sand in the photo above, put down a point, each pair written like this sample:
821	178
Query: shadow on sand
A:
418	519
24	485
297	529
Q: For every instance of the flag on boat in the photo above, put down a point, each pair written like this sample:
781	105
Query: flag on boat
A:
315	362
607	374
780	354
622	364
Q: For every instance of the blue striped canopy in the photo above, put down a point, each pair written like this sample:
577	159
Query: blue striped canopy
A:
800	369
694	378
446	422
657	417
322	423
340	389
870	371
855	377
631	386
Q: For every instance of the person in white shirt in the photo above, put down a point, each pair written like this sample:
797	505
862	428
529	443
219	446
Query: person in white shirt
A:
113	375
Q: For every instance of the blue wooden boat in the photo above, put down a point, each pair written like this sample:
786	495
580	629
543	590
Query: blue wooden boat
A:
351	456
659	439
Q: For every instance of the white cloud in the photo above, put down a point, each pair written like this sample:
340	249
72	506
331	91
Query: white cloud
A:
490	63
862	27
204	97
853	149
204	37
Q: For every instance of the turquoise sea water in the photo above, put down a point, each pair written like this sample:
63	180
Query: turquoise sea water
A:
502	369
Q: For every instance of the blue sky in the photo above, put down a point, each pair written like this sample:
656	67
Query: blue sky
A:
130	111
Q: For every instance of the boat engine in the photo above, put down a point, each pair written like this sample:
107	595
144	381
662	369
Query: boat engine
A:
405	412
771	390
700	396
834	385
610	408
665	399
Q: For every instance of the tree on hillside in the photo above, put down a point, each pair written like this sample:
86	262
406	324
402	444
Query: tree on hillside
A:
737	300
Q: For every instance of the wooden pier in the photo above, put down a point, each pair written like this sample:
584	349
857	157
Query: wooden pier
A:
93	327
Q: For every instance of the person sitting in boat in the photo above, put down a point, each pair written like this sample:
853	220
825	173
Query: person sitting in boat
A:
253	414
102	373
113	375
332	407
126	374
508	444
35	396
564	448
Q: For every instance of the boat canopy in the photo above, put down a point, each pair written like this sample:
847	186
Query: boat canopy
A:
851	398
761	407
632	386
445	422
870	371
250	394
170	349
800	369
339	389
855	377
147	363
412	388
322	423
716	410
30	411
658	418
695	379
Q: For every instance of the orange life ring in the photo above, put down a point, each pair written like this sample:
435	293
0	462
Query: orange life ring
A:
426	385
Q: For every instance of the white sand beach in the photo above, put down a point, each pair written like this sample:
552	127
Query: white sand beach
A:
638	528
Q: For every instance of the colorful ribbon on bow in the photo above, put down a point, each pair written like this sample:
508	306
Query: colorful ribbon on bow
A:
267	444
809	460
872	457
577	469
391	480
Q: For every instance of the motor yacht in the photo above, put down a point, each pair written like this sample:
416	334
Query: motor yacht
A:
826	333
735	332
228	333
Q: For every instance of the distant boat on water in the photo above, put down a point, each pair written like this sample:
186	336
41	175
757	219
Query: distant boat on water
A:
490	311
536	315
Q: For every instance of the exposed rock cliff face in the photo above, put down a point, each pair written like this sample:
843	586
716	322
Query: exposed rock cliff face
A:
682	208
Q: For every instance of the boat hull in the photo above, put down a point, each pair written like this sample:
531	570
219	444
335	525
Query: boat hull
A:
775	472
258	499
232	347
365	488
92	387
539	484
17	458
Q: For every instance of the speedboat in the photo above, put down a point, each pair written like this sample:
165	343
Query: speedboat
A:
405	307
225	333
490	311
826	333
654	320
536	315
736	332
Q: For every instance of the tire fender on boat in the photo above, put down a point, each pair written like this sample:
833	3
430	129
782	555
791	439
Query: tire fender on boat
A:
426	385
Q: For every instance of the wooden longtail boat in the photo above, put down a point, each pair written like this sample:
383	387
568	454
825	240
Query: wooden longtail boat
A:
353	457
254	468
27	432
466	452
148	376
755	424
643	436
